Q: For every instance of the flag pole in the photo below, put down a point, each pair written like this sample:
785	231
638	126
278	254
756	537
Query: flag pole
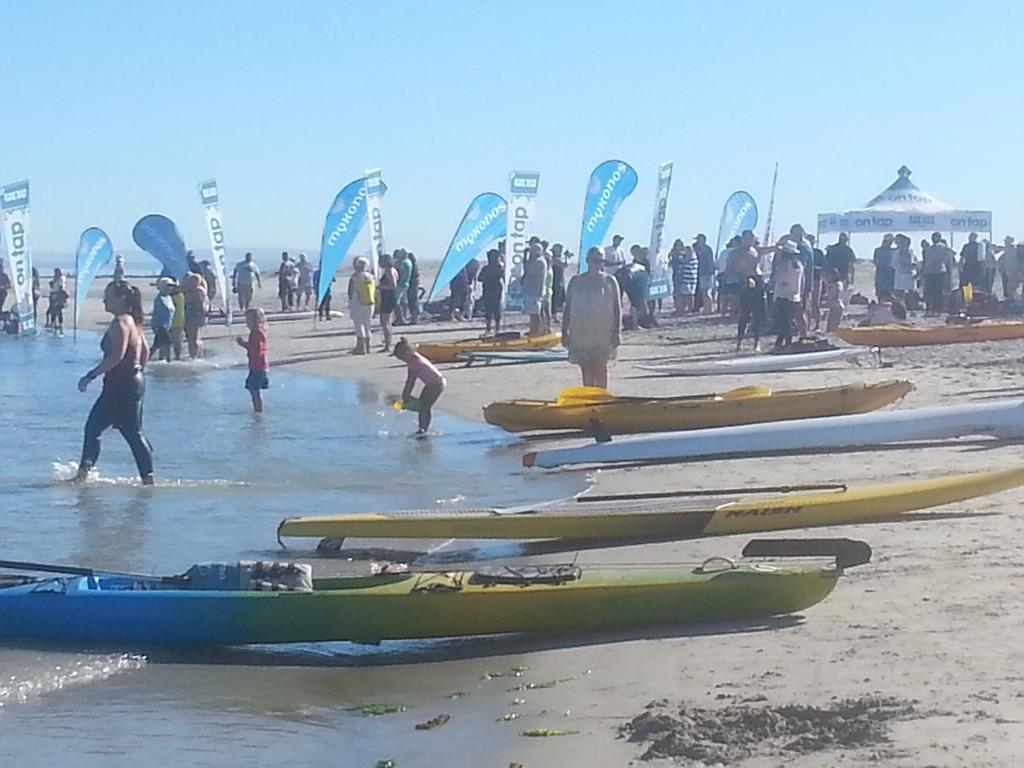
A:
771	207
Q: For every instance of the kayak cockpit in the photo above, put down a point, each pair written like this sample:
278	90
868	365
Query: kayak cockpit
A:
242	576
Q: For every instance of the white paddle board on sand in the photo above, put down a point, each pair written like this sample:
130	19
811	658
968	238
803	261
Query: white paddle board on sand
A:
1003	419
758	363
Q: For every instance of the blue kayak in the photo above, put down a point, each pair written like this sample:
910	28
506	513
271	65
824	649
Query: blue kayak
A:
217	608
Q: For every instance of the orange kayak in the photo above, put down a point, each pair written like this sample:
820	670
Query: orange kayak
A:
749	405
920	335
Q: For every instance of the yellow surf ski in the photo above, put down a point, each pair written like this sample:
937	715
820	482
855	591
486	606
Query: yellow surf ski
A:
661	518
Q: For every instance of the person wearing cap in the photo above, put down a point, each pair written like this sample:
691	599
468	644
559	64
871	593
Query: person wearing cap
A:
161	319
745	264
614	256
840	257
787	284
592	320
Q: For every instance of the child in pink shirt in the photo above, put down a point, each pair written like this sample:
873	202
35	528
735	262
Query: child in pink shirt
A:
256	349
422	369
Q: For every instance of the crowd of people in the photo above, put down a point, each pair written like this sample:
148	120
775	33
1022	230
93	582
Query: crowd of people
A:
932	277
790	287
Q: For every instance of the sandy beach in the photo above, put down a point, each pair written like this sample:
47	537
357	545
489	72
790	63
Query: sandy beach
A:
933	620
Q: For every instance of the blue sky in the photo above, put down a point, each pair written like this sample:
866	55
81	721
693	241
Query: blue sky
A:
117	109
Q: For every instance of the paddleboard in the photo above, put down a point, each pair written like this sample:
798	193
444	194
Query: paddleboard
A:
758	363
542	356
1003	419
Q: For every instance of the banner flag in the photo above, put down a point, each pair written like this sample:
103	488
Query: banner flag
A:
522	196
657	257
484	222
738	213
159	237
19	251
94	253
210	199
374	199
610	183
344	220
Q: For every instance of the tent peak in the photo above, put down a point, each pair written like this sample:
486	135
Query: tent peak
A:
904	195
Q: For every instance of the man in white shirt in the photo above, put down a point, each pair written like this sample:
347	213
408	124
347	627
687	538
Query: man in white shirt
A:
242	279
614	256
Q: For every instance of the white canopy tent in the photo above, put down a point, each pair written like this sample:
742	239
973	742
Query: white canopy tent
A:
902	207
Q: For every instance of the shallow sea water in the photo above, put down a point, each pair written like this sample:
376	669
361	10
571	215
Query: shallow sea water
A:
225	479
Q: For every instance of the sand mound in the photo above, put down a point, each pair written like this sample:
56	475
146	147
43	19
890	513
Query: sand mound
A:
729	734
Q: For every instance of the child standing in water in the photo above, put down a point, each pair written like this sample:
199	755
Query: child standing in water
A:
256	348
422	369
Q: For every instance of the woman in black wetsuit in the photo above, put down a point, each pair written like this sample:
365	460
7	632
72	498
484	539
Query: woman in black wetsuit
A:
120	402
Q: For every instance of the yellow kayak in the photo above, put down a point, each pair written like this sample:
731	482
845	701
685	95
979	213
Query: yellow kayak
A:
575	408
448	353
662	518
919	335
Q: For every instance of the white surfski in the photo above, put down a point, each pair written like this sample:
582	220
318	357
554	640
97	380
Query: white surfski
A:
758	363
1003	419
524	356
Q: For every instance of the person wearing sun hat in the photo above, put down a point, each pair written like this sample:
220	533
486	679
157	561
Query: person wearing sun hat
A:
787	285
592	320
